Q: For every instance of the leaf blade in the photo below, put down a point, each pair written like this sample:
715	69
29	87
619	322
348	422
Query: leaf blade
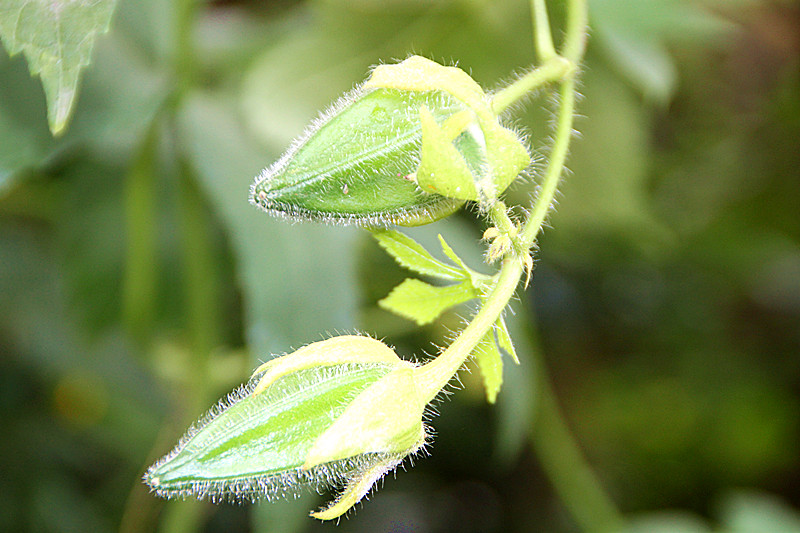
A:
423	303
57	40
490	363
504	339
411	255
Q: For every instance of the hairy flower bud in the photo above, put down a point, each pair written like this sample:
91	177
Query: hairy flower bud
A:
408	147
339	411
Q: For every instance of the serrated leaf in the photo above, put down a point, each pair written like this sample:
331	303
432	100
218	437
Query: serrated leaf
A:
450	253
423	303
504	339
56	38
411	255
490	364
477	279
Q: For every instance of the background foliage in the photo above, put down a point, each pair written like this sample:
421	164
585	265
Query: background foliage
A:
138	286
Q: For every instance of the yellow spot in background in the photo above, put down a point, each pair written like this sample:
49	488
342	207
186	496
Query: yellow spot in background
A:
80	398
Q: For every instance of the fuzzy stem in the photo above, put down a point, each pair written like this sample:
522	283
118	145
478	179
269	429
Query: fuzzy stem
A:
576	30
499	216
555	167
559	453
554	69
541	31
435	375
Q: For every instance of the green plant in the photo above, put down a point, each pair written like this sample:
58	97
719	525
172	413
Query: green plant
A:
407	147
137	287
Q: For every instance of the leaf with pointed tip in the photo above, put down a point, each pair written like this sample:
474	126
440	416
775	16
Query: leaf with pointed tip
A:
477	279
423	303
411	255
490	364
504	339
56	38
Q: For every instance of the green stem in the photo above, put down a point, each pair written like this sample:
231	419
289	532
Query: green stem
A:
141	265
499	216
555	167
554	69
200	279
199	276
183	57
541	31
576	30
437	373
559	454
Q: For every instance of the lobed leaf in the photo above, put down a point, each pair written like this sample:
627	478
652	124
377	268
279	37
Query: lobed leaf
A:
423	303
56	38
411	255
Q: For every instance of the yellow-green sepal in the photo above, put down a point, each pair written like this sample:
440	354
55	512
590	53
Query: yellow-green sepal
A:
386	418
470	155
443	169
334	351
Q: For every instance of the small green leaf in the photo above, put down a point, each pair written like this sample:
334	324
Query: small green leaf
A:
490	364
450	253
411	255
57	39
423	303
477	279
504	339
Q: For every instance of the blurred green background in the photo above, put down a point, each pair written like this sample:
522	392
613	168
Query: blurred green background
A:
137	286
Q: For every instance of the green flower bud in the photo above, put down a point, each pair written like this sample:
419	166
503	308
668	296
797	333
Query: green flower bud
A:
343	411
407	147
